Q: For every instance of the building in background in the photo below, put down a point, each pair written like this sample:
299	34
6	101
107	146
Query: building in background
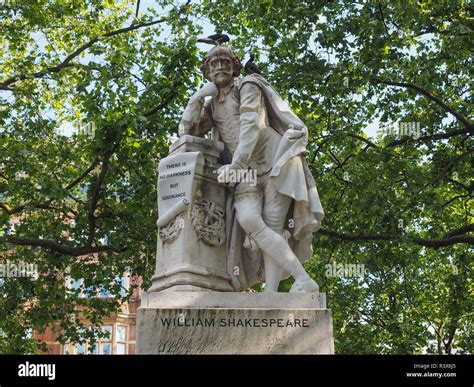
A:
120	326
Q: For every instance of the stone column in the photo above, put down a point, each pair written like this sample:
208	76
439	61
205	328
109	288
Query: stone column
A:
191	249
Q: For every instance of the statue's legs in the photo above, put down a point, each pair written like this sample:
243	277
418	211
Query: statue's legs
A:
261	212
275	209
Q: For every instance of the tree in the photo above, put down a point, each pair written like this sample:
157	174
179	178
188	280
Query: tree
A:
400	205
84	204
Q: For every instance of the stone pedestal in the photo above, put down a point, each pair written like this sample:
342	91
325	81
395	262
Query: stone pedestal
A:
234	323
191	307
191	250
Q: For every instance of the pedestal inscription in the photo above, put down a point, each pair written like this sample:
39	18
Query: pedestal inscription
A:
234	323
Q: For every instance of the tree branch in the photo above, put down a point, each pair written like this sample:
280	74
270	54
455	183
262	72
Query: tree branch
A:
319	148
11	211
96	193
460	231
45	206
61	248
368	142
66	62
439	136
450	165
468	189
467	124
382	16
444	241
435	243
138	9
165	102
452	332
453	199
357	238
83	175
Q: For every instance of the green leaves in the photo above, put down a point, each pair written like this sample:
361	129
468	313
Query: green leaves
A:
393	202
387	198
92	187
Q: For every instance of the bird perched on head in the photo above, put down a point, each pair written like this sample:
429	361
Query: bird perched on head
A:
250	67
215	39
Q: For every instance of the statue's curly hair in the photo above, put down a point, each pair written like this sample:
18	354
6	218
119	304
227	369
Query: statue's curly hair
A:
220	50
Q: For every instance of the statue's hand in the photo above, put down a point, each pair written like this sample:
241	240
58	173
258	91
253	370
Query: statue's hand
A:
294	134
208	90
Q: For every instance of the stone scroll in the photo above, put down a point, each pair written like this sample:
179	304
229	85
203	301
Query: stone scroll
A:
191	243
175	185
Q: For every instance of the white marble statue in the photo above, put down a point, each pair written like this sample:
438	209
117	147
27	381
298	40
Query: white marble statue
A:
281	209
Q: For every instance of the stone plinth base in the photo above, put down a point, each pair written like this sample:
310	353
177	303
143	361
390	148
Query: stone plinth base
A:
234	323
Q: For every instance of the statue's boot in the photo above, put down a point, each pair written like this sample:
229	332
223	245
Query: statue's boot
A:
305	286
275	246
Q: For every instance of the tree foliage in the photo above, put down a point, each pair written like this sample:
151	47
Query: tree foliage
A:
400	205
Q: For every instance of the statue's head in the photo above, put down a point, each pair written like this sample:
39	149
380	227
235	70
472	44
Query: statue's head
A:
221	65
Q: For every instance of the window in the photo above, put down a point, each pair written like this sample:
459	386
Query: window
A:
75	349
121	348
115	342
76	284
121	333
121	338
122	280
107	329
80	349
105	346
106	349
102	345
89	292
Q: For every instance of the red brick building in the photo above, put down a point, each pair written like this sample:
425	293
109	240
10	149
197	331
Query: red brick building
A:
121	327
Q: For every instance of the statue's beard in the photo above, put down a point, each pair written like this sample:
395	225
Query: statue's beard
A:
222	79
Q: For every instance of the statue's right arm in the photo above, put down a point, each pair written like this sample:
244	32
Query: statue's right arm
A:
197	118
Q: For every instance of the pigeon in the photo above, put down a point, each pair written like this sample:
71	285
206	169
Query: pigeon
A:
250	67
216	39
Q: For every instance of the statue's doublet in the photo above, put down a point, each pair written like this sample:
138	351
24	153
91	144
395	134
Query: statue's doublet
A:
239	114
